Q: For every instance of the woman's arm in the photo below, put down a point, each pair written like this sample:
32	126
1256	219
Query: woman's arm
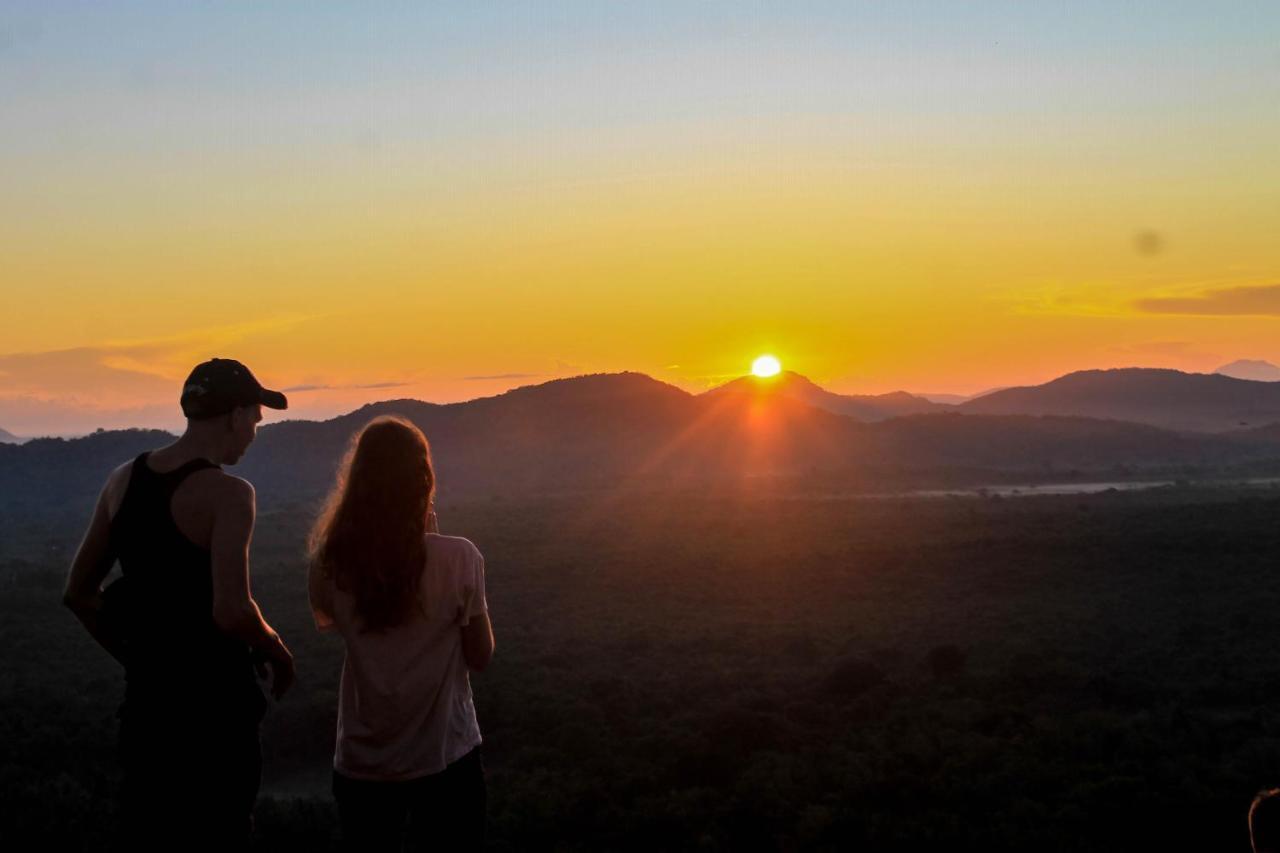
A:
477	642
320	594
477	629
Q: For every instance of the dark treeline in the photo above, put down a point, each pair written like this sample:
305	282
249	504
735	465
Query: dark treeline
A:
1058	673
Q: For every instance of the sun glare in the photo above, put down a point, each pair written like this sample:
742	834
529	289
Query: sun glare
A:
766	365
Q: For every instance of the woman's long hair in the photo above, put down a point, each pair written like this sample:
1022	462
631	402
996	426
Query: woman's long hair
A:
370	537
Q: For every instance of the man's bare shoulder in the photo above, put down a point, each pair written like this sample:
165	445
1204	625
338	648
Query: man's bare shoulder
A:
223	489
120	476
212	492
115	487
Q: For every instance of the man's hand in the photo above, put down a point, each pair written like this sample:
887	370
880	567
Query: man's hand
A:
275	656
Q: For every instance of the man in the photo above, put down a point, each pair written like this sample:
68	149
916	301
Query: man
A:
182	620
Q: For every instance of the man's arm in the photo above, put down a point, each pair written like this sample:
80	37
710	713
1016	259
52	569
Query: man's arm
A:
92	563
234	610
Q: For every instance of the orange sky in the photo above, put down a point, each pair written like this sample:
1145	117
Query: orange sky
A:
946	210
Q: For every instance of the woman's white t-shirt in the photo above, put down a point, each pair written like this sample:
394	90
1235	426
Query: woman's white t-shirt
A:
405	707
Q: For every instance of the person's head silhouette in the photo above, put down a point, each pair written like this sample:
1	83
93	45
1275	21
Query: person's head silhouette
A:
1264	821
370	534
223	404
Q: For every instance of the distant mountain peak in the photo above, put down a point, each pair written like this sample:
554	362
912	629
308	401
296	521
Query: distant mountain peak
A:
787	380
627	382
1116	373
7	437
1253	369
864	407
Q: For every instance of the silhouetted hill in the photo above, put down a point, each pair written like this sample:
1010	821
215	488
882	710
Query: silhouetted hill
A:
627	431
1256	370
957	399
594	432
568	433
1169	399
864	407
68	472
1031	443
945	399
7	437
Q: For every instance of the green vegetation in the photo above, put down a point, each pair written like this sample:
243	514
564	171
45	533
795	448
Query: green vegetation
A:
1049	673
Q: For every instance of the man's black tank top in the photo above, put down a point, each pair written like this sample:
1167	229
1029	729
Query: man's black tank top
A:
163	605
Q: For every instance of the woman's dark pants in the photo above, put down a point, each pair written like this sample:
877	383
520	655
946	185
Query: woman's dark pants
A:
443	811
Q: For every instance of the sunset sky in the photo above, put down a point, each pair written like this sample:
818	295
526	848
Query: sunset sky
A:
366	201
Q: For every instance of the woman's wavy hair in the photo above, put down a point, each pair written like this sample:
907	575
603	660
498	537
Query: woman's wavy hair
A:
370	538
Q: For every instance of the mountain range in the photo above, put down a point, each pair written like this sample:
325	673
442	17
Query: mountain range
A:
7	437
1169	399
610	431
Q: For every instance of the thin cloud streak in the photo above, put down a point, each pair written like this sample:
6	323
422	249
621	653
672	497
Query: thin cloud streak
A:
502	376
124	366
297	389
1257	301
215	335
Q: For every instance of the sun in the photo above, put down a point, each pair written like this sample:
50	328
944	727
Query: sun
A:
766	365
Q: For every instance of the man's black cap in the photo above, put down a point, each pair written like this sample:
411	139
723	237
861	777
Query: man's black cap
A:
219	385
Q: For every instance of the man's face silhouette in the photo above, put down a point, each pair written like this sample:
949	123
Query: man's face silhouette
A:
244	428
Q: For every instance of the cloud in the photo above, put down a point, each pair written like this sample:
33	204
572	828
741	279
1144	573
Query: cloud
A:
210	335
114	383
87	373
1095	299
1156	348
293	389
123	370
503	376
1257	300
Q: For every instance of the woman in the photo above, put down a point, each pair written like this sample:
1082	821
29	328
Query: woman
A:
410	606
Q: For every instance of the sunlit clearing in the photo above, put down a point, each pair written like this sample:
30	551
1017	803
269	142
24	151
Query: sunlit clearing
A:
766	365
